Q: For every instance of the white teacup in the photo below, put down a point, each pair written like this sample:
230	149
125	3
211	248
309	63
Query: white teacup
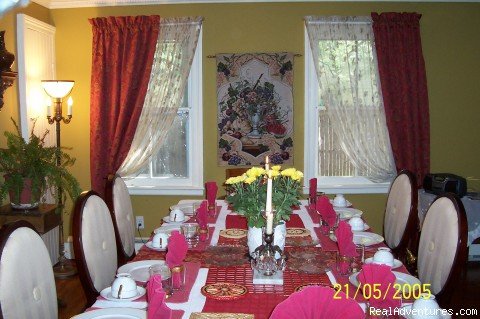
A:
177	215
357	224
160	240
339	201
383	256
426	307
124	287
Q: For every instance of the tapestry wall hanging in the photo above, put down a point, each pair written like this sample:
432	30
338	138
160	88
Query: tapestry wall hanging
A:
255	108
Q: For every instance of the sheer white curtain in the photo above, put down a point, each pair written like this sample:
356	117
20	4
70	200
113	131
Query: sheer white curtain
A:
176	45
346	65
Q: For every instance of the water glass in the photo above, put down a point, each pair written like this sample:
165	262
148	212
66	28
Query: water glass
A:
344	265
203	234
164	272
191	232
178	277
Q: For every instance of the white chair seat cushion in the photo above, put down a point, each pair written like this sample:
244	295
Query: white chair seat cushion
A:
98	240
438	244
122	206
27	284
397	210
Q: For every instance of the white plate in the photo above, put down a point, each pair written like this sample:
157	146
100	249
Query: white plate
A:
396	263
150	246
113	313
405	311
139	269
405	280
366	238
347	204
167	220
347	213
362	238
167	228
107	294
186	207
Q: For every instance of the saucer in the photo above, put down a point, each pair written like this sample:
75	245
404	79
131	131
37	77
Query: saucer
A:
167	220
347	213
149	245
396	263
107	294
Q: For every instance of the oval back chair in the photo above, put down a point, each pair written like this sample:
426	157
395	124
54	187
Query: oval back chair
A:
27	284
94	244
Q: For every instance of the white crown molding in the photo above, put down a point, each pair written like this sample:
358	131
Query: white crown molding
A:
64	4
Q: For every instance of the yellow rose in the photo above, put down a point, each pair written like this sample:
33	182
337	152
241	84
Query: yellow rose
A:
274	173
255	172
250	180
231	180
288	172
276	168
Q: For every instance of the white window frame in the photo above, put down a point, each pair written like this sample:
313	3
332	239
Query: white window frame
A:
326	184
193	185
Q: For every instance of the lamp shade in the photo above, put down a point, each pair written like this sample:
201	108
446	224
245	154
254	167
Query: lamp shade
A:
58	89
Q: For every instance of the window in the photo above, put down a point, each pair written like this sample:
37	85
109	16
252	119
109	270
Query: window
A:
177	168
324	157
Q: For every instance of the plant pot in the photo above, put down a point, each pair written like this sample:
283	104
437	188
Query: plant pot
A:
25	200
255	237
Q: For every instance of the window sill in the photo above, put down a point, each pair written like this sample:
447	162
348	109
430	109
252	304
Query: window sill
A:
165	190
379	188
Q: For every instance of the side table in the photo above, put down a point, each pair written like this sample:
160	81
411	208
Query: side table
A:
44	219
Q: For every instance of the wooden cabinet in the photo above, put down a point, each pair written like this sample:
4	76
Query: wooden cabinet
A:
44	218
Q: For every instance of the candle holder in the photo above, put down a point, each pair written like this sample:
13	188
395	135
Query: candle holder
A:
268	263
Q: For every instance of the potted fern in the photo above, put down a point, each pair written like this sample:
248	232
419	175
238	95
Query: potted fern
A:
30	169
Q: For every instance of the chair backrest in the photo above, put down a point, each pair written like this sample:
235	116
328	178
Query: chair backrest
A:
400	225
120	205
27	284
442	251
94	244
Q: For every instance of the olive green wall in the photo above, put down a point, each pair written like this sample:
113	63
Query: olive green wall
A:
8	22
451	47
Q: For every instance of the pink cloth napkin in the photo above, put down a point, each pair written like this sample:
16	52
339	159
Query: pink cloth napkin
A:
380	274
157	309
325	208
344	235
177	249
211	190
318	303
202	215
312	191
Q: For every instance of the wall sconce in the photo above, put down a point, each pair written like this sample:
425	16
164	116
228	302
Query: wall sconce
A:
7	76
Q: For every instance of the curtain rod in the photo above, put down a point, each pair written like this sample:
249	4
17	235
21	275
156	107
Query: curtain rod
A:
214	56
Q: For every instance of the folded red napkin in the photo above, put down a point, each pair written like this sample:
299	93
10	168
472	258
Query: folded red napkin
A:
318	303
344	235
376	274
211	189
312	191
177	249
202	215
325	208
157	309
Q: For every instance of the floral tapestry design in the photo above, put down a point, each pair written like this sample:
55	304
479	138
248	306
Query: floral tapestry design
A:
255	108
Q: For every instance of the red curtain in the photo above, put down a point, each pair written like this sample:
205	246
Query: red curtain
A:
404	88
122	56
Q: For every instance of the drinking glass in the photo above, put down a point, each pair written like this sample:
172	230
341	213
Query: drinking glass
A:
344	265
191	232
178	277
164	272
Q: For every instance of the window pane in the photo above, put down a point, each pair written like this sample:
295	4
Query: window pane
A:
171	159
332	160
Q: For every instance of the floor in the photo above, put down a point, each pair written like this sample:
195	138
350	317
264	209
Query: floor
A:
72	299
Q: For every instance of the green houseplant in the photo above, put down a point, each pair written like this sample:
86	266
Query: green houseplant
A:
30	169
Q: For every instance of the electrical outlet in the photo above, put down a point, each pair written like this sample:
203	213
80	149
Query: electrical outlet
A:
139	222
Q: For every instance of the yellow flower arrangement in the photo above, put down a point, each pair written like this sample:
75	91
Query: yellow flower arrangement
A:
247	193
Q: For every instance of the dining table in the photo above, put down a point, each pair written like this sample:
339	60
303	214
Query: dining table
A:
222	257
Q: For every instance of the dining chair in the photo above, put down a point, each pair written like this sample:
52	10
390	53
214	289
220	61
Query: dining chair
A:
400	226
94	244
442	251
120	205
27	284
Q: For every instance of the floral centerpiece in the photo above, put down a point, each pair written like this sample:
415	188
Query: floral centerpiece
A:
247	193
